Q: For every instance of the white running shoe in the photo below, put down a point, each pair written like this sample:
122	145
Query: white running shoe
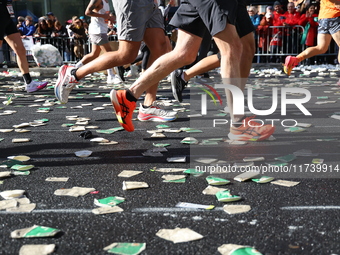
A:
155	113
35	86
65	83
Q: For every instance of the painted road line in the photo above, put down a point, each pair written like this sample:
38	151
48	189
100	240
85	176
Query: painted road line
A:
326	207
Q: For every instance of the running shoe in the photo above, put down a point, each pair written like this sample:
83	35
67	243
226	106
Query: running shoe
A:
177	84
113	80
119	72
35	86
289	64
124	109
65	83
251	130
156	113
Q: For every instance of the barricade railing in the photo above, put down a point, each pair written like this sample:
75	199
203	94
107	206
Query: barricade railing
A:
275	42
71	49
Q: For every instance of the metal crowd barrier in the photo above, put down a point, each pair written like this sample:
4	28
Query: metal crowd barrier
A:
65	45
273	43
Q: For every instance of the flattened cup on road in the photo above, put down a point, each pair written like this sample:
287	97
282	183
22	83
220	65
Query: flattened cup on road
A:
106	210
216	181
20	140
234	209
246	176
109	201
74	192
22	208
210	190
22	167
235	249
167	170
37	249
286	158
134	185
173	177
129	173
34	231
5	174
189	140
263	179
57	179
10	194
193	171
21	158
126	248
247	159
83	154
179	235
226	196
99	140
317	160
285	183
176	159
195	206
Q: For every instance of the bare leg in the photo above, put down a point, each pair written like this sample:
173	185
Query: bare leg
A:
248	52
14	41
203	66
230	47
155	40
185	52
336	38
92	55
126	53
323	42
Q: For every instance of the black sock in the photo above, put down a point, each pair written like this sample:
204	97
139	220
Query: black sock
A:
130	97
73	72
145	107
27	78
239	123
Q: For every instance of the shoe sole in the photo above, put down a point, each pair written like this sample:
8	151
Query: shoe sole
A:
173	86
253	138
60	81
156	119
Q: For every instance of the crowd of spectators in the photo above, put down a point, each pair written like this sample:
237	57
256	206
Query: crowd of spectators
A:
48	26
280	32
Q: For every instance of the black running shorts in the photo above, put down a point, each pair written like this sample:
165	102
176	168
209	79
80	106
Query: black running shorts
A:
197	16
7	26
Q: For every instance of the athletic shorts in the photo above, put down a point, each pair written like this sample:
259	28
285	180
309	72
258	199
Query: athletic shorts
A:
197	16
99	39
7	26
243	25
134	17
329	26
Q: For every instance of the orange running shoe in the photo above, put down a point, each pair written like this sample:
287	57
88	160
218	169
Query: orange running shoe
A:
289	64
124	109
251	130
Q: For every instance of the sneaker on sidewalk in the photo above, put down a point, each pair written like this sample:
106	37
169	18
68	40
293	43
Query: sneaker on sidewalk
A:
177	84
251	131
289	64
133	72
119	70
35	86
124	109
65	83
155	113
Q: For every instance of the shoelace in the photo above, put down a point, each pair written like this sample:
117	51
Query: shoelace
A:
125	110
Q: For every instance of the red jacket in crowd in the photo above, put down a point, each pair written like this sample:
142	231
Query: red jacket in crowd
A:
313	29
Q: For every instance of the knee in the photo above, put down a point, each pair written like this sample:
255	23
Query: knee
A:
186	57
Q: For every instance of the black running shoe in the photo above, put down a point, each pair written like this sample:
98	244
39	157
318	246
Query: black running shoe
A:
177	84
120	72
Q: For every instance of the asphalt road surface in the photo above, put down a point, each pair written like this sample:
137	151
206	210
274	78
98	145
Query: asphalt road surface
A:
303	219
